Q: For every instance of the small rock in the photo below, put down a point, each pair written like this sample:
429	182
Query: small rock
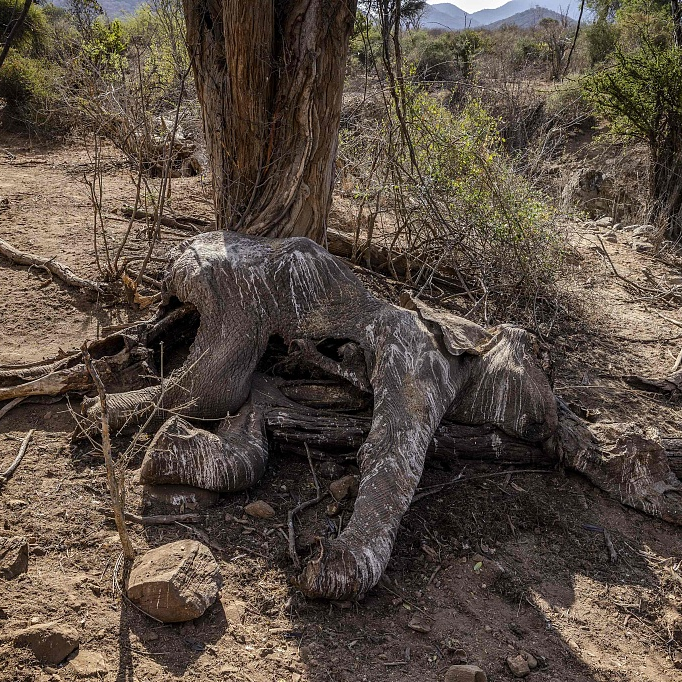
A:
175	582
50	642
13	557
419	623
88	664
259	510
641	246
643	231
465	673
606	221
234	611
610	237
460	656
184	496
518	666
330	470
530	659
344	488
334	509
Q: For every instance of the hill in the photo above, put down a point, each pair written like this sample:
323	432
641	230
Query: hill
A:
114	8
447	15
528	18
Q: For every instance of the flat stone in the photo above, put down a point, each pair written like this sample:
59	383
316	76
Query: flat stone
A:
88	664
185	496
13	557
175	582
606	221
259	509
50	642
419	623
518	666
643	230
641	246
234	611
345	487
465	673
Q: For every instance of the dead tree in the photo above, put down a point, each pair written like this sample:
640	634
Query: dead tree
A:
354	375
418	381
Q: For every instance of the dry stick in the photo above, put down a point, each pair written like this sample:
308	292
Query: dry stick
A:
57	269
12	404
116	488
613	555
438	488
161	519
17	461
304	505
616	273
678	362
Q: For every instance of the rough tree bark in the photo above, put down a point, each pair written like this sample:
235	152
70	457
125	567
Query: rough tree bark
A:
269	77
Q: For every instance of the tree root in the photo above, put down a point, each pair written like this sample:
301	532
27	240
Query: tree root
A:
62	272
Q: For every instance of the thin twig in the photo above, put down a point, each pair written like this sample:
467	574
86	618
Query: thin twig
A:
17	460
437	488
116	487
304	505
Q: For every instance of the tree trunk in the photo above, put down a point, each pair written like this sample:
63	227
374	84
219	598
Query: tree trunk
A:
269	77
13	30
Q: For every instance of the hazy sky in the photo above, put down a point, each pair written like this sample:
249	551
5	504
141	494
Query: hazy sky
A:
471	5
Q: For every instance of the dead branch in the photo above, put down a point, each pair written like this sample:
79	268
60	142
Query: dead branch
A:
17	461
10	405
60	271
465	479
116	487
182	223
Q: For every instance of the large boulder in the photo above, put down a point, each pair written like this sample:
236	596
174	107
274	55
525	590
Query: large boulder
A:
50	642
590	190
175	582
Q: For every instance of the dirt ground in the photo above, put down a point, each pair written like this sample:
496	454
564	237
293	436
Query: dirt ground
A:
494	567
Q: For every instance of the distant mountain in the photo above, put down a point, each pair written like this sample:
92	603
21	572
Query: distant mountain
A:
447	15
528	18
114	8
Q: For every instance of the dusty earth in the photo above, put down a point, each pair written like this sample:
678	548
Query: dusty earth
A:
494	566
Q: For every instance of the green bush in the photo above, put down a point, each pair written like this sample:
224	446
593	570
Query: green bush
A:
34	35
601	38
456	199
27	84
445	57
